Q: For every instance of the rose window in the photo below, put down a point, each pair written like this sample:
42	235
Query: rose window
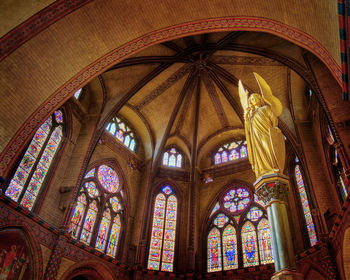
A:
236	200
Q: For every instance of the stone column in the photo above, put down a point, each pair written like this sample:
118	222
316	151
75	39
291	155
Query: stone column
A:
273	190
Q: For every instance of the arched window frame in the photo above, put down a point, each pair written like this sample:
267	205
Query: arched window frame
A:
335	167
238	223
225	148
117	121
177	194
103	203
296	161
51	167
178	153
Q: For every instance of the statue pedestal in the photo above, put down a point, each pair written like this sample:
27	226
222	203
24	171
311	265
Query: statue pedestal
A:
273	190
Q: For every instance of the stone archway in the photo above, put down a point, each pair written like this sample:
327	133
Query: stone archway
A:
346	253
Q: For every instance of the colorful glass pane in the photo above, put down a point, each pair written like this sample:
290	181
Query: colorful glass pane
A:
236	200
42	169
127	140
116	206
234	155
103	230
243	152
224	156
77	216
77	93
249	245
157	232
229	244
214	250
108	178
120	135
165	158
179	160
220	220
172	160
59	116
91	173
89	222
254	214
169	234
217	158
216	208
167	190
173	151
259	201
208	180
91	189
265	247
237	219
132	145
306	208
114	237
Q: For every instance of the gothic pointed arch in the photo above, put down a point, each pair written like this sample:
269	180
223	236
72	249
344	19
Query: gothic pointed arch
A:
237	230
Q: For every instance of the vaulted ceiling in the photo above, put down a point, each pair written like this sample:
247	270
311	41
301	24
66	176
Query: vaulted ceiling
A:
184	92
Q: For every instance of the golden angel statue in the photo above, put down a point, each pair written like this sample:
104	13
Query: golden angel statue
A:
265	141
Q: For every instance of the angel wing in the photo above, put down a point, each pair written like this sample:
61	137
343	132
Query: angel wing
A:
243	96
273	101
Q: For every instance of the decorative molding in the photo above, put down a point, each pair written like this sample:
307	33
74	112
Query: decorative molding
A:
196	27
244	60
37	23
272	187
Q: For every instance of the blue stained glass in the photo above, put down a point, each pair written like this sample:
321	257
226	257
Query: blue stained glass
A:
91	173
132	145
127	140
217	158
59	116
167	190
249	245
77	93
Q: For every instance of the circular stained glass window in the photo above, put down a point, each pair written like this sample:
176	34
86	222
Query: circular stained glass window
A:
108	178
236	200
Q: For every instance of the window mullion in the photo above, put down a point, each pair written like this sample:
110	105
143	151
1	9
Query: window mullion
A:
161	250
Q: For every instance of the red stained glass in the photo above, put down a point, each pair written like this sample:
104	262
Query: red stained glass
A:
254	214
89	223
162	245
236	200
214	251
249	245
114	237
103	230
229	243
220	220
306	208
122	132
91	189
116	206
108	178
91	173
59	116
265	247
77	216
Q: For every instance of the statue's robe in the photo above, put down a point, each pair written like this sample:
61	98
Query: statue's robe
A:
260	148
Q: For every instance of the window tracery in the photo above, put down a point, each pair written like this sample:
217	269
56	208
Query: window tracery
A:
231	151
97	217
163	235
173	158
239	233
120	130
26	184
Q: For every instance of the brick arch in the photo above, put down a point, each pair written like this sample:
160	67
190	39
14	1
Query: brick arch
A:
91	270
169	33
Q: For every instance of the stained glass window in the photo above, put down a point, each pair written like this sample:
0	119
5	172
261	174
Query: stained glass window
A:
249	245
265	247
95	225
214	251
239	233
120	130
231	151
172	158
305	204
229	243
162	244
27	182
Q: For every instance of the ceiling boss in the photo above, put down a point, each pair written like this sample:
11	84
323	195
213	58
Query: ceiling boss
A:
265	141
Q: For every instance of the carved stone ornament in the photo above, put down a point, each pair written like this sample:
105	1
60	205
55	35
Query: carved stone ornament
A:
272	187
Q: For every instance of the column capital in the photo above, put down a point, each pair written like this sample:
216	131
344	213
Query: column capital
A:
272	187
